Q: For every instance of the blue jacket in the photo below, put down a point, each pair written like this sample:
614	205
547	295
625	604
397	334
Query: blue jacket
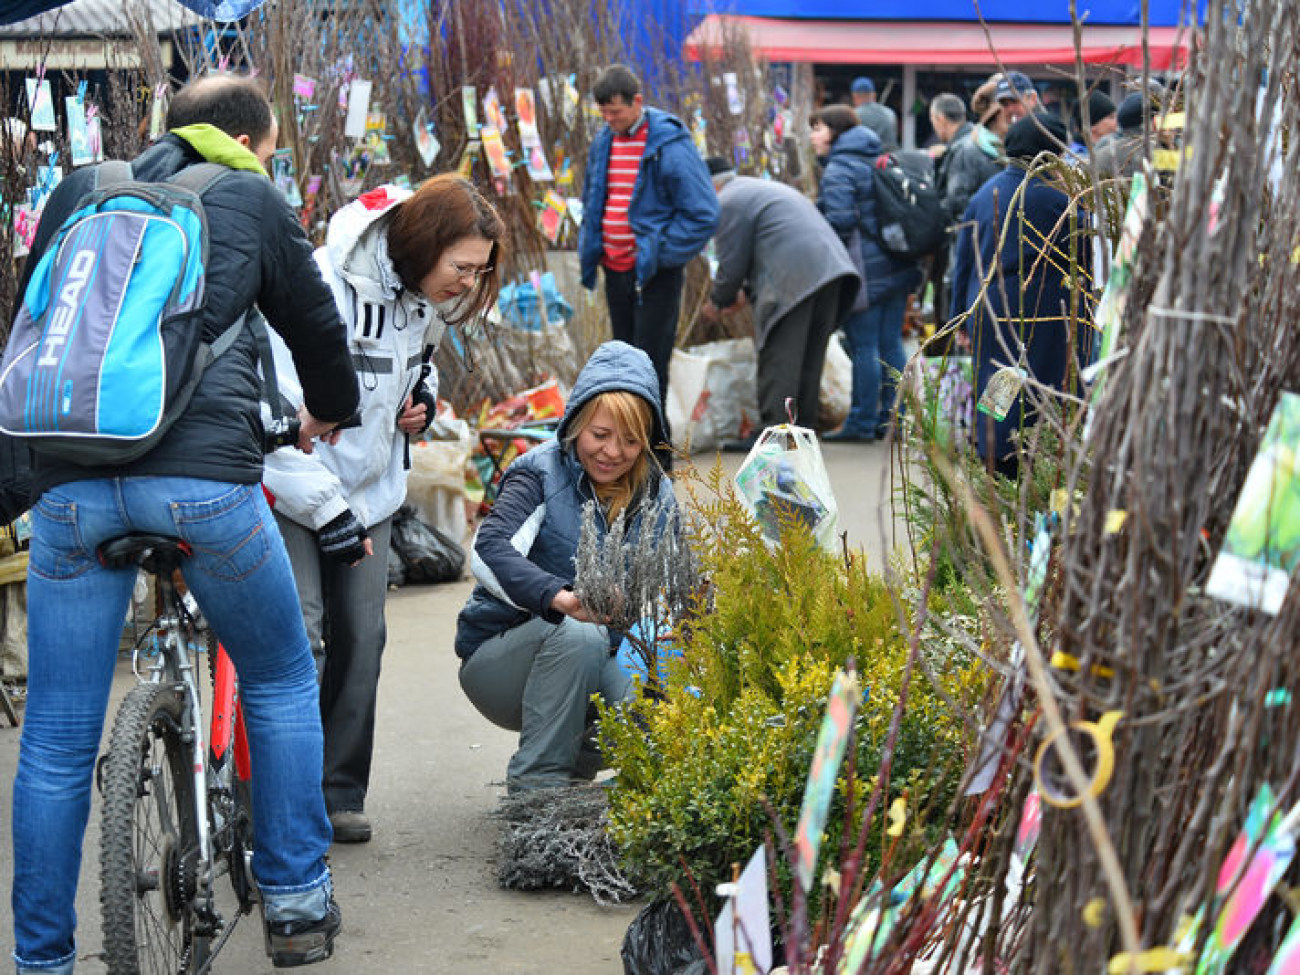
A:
524	550
673	212
1028	295
848	199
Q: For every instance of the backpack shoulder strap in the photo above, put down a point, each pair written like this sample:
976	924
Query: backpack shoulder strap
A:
200	177
270	381
227	338
112	172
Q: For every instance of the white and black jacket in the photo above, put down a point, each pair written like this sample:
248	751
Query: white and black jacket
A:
392	332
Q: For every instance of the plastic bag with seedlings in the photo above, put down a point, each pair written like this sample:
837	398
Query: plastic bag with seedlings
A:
427	553
784	479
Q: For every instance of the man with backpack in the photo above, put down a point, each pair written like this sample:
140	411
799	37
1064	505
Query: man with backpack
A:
196	477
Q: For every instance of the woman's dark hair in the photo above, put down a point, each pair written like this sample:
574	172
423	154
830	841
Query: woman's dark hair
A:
838	118
444	210
235	104
616	81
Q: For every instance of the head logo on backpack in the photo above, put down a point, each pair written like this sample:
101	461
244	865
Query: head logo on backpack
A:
908	210
106	349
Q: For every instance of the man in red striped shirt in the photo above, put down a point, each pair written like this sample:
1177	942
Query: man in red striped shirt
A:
649	209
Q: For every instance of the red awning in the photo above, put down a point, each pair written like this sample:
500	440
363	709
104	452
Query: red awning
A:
922	43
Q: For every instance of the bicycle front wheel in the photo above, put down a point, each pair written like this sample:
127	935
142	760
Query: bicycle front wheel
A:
149	857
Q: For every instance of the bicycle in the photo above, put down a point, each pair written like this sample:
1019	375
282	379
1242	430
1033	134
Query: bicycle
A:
177	814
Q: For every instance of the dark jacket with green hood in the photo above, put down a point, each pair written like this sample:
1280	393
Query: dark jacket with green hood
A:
257	255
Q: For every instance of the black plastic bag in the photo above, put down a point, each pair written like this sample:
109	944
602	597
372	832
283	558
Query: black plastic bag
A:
659	942
396	570
427	554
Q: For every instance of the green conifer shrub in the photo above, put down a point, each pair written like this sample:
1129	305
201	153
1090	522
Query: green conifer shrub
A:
743	703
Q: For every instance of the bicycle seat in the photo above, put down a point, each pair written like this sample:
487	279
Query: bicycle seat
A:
153	553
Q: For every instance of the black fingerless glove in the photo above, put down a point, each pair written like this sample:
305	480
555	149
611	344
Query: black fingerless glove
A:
344	539
422	394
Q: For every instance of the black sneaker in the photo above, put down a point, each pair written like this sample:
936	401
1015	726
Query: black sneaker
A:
294	943
350	826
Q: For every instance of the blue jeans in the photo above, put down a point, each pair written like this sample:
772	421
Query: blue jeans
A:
240	575
875	335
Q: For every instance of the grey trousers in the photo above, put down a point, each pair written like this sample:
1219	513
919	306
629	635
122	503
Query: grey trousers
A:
537	679
343	607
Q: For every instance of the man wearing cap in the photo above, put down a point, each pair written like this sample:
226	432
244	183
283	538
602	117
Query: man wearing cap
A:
1102	121
773	243
1017	96
879	118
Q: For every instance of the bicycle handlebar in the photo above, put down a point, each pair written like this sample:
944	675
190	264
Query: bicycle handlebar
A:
285	431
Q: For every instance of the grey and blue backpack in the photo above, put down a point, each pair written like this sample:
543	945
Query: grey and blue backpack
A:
107	346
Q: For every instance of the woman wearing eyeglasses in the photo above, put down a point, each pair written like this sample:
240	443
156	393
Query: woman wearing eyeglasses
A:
402	267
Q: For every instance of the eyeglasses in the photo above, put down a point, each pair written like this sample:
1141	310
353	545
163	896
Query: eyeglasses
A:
471	271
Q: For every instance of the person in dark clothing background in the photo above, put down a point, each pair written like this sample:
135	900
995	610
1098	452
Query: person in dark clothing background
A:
1102	123
1023	318
965	166
1137	115
876	116
200	483
774	244
875	328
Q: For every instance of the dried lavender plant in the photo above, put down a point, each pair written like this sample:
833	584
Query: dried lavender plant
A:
556	838
641	578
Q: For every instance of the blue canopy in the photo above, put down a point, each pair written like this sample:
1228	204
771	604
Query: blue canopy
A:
18	10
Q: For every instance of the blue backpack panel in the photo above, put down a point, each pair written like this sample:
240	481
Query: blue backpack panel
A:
107	347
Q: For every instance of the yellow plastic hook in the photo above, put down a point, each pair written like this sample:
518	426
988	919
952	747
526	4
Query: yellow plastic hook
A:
1101	732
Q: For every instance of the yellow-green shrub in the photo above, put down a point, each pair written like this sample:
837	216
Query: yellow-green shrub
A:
742	706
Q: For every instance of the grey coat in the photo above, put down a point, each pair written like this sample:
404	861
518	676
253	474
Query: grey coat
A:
772	240
964	168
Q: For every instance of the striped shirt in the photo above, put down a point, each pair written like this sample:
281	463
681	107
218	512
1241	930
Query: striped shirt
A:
625	154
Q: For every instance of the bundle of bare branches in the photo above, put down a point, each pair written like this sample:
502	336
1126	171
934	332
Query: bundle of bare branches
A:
1207	342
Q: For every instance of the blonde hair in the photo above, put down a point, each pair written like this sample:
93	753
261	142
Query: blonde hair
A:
632	415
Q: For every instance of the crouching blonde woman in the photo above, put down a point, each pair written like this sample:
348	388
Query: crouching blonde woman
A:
531	654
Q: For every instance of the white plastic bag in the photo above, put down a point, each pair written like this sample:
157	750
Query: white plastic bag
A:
835	394
712	394
435	486
784	476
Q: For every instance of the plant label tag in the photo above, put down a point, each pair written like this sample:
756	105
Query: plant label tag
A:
1001	392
